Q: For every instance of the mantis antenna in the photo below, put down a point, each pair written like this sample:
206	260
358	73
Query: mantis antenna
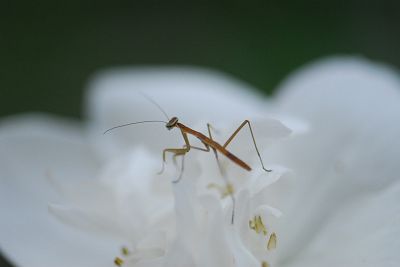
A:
131	123
155	103
151	100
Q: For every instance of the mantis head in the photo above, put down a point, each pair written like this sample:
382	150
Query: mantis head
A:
172	123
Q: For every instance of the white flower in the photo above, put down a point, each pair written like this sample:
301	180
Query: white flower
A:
339	201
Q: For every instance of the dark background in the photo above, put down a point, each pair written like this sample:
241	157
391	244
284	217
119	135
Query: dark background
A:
48	48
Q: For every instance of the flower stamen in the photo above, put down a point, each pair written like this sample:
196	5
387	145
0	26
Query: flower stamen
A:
272	242
125	251
257	225
118	261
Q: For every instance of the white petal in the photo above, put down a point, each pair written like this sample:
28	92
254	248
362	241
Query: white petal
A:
343	164
125	201
214	249
263	179
30	148
87	220
364	232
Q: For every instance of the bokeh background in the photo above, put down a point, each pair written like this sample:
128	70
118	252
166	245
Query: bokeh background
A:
48	49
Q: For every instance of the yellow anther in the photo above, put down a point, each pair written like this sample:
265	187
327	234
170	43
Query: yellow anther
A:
223	190
125	251
264	264
257	225
272	242
118	261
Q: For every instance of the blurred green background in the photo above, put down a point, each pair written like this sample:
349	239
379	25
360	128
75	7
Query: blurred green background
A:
48	49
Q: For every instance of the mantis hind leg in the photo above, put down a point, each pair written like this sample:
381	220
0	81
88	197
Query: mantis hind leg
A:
254	141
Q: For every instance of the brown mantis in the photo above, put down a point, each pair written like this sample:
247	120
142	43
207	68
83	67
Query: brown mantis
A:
208	142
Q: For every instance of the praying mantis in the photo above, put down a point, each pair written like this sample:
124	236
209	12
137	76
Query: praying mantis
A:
207	141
